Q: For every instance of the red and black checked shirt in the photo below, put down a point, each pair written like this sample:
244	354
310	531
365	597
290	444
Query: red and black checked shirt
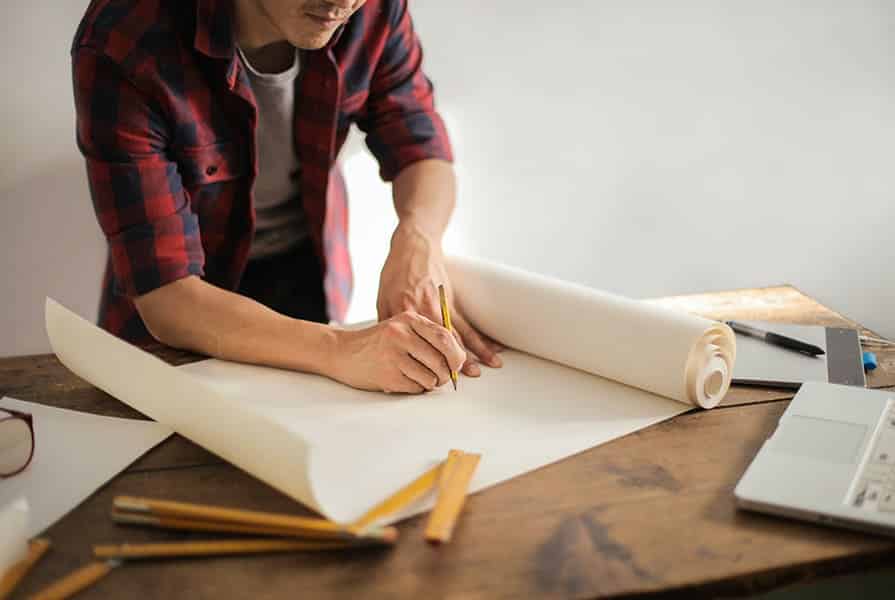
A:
166	119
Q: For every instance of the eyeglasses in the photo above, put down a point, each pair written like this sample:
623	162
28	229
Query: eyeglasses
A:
16	442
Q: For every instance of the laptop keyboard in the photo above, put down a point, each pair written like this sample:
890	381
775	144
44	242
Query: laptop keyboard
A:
874	486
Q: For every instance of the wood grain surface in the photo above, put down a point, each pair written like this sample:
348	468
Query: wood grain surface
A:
649	514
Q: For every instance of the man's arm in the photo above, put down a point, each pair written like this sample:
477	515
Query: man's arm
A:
194	315
407	353
157	257
424	195
410	141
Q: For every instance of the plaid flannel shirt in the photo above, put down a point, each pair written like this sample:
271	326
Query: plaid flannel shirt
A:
166	122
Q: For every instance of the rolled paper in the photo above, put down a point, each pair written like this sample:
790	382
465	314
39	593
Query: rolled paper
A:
671	353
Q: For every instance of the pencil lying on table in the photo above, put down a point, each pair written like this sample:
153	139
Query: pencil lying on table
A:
76	581
399	500
868	340
9	580
220	548
450	479
148	520
197	517
385	535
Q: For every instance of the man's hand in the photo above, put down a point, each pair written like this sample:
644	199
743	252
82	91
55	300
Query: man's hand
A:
409	282
407	353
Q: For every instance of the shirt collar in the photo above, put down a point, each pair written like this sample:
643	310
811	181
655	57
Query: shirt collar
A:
214	28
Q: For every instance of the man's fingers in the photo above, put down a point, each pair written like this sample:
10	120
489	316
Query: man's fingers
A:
475	343
417	374
471	368
495	346
431	359
403	385
440	340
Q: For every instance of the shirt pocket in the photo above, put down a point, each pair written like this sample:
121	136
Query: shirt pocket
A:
212	163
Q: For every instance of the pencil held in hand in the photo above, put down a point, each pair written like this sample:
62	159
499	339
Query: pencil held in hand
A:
446	320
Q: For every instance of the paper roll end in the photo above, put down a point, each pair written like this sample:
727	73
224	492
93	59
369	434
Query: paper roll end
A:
713	384
710	367
714	388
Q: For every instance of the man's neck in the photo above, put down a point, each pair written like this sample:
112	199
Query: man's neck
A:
260	41
273	58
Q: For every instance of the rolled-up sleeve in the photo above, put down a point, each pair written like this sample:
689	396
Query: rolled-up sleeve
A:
138	196
400	121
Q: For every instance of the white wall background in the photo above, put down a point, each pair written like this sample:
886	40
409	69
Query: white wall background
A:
52	244
646	147
654	147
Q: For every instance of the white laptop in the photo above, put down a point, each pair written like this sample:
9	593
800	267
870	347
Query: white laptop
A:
831	460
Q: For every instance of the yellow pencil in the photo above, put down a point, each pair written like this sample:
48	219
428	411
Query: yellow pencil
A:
446	318
219	548
17	572
385	535
399	500
186	510
76	581
189	514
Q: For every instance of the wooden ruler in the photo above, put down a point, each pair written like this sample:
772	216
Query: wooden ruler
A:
456	475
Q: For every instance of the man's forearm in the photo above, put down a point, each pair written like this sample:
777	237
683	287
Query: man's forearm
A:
424	195
424	200
194	315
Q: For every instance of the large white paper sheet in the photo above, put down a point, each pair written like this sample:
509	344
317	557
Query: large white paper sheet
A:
340	450
366	445
75	453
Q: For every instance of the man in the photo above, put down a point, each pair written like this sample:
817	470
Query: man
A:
210	130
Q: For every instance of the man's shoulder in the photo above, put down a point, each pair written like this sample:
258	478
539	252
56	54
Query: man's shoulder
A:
384	12
130	31
375	19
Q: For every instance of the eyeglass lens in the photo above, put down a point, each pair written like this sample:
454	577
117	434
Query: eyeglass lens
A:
16	444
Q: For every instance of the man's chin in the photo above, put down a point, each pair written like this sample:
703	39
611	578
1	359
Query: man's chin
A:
311	41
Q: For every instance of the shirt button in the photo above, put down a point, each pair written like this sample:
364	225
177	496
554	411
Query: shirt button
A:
211	170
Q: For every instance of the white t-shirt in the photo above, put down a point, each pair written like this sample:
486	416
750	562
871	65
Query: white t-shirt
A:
279	216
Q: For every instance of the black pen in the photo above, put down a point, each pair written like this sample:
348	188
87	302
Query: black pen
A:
776	339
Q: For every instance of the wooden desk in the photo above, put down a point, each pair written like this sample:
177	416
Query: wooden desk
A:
649	513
